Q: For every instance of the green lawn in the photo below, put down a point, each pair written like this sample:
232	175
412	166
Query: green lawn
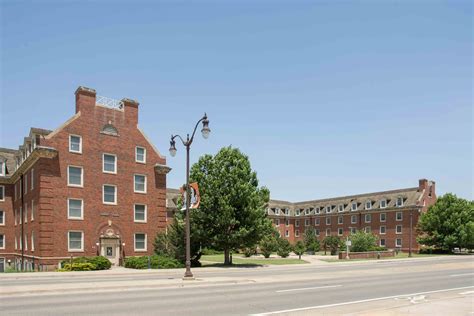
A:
240	260
401	255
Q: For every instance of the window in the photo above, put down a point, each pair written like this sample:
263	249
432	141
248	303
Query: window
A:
287	233
382	242
32	210
317	210
399	229
2	241
277	211
306	222
339	231
26	213
14	189
140	213
307	211
399	202
328	232
2	217
21	214
140	154
316	231
353	230
341	207
74	176
32	174
382	230
399	216
32	241
340	220
16	216
109	129
354	206
368	218
109	163
328	209
398	242
75	144
328	220
75	209
2	168
140	183
75	241
277	222
297	223
383	217
2	193
353	219
109	194
316	221
287	211
383	203
297	233
26	241
287	222
367	229
16	243
297	212
368	205
140	242
25	179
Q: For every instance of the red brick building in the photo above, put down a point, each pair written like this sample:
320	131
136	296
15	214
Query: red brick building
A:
96	185
390	215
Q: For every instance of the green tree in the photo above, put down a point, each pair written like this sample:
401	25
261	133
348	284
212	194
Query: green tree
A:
447	224
268	245
310	240
362	241
333	243
299	248
232	213
284	247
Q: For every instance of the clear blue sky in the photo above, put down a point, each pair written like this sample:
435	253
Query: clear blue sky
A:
326	97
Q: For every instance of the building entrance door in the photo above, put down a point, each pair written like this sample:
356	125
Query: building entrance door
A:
110	248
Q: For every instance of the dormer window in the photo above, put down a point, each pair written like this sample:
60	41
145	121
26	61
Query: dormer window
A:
354	206
297	212
2	168
341	207
399	201
307	211
287	211
383	203
328	209
277	211
368	205
317	210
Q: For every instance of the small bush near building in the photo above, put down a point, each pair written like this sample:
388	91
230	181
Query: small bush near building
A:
284	248
98	262
362	241
299	248
79	266
249	251
268	245
156	262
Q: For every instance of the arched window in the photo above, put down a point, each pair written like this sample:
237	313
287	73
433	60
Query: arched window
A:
109	129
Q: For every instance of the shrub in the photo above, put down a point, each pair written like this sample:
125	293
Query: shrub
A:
249	251
100	262
156	262
333	243
209	251
299	248
362	241
310	240
267	246
79	266
284	248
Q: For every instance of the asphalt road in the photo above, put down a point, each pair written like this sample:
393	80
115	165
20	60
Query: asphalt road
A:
261	290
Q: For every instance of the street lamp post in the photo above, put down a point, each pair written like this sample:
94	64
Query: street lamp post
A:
188	275
411	229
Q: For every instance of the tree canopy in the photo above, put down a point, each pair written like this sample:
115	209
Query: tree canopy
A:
232	212
447	224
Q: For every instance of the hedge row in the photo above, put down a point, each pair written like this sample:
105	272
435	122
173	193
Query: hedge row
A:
156	262
97	263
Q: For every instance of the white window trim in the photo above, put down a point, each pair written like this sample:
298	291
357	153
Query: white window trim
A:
380	242
396	217
82	210
69	244
339	221
32	173
297	233
396	202
26	212
340	232
144	154
306	222
277	222
26	241
2	188
398	232
82	177
103	194
287	233
135	242
103	163
352	206
385	201
396	242
145	186
369	216
4	241
32	209
353	222
32	237
328	218
328	229
380	230
317	210
380	218
316	221
2	168
80	144
297	213
145	213
370	205
287	222
339	208
4	220
297	223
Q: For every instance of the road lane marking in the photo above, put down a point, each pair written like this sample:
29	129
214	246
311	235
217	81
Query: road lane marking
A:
463	274
466	293
360	301
308	288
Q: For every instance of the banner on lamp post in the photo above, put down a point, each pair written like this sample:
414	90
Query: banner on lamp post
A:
195	197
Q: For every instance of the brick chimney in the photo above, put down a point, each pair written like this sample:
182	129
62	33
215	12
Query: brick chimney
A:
85	99
422	184
131	110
